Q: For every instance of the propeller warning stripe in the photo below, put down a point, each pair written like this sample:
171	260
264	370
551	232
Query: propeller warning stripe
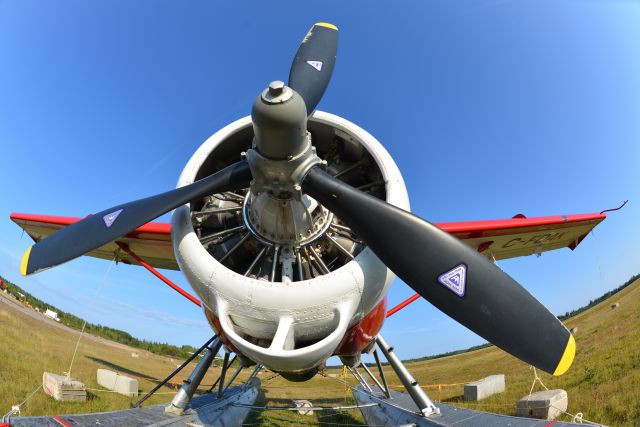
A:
25	261
326	25
567	357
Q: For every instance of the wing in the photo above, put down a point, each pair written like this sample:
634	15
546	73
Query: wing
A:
151	242
520	236
497	239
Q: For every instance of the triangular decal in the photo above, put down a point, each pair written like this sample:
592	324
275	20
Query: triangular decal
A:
455	279
109	219
316	64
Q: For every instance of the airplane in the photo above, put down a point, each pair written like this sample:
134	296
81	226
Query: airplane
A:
290	225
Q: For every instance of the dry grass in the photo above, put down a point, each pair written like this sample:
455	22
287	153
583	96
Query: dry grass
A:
603	383
31	346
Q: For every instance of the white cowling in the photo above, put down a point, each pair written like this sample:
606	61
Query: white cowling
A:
304	320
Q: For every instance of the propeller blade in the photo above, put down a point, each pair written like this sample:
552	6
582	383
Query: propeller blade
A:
313	64
106	226
456	279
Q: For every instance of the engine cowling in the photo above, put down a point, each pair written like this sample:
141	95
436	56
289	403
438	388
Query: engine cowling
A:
285	306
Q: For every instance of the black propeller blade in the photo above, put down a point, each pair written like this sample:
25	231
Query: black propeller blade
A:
106	226
452	276
313	64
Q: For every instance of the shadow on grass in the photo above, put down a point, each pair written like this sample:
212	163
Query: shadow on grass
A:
121	369
454	399
126	371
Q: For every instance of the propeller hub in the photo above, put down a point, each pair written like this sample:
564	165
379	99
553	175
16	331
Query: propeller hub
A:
279	117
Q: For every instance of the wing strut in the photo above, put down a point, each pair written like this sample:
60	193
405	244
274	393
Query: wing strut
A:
159	275
403	304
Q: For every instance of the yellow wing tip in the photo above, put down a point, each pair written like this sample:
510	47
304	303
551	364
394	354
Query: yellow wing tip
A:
25	262
326	25
567	357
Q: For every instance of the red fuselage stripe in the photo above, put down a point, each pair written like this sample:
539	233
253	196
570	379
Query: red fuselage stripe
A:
61	421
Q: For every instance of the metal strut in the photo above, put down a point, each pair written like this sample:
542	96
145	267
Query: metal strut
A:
223	373
359	378
233	377
220	376
156	273
381	372
190	385
173	374
425	405
384	389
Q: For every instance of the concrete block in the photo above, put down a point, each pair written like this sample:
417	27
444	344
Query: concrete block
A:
118	383
63	389
546	404
484	388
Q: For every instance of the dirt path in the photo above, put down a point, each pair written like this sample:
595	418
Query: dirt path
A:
11	303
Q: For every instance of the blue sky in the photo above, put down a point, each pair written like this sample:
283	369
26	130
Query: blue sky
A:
490	108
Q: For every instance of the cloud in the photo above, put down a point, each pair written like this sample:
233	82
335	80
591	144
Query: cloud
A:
153	314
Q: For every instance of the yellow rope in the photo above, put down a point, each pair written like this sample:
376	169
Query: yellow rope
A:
113	391
344	379
84	324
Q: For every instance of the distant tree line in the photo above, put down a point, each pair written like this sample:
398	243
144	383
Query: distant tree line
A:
185	351
598	300
106	332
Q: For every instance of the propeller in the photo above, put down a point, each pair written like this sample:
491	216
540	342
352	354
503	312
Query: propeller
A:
309	76
106	226
313	64
456	279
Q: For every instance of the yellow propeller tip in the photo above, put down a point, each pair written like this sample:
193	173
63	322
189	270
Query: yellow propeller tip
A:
25	262
326	25
567	357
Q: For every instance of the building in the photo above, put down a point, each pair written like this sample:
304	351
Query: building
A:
52	314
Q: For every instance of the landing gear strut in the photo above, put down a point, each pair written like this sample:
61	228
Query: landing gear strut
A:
190	385
418	395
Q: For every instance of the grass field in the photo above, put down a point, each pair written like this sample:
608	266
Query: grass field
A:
603	383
